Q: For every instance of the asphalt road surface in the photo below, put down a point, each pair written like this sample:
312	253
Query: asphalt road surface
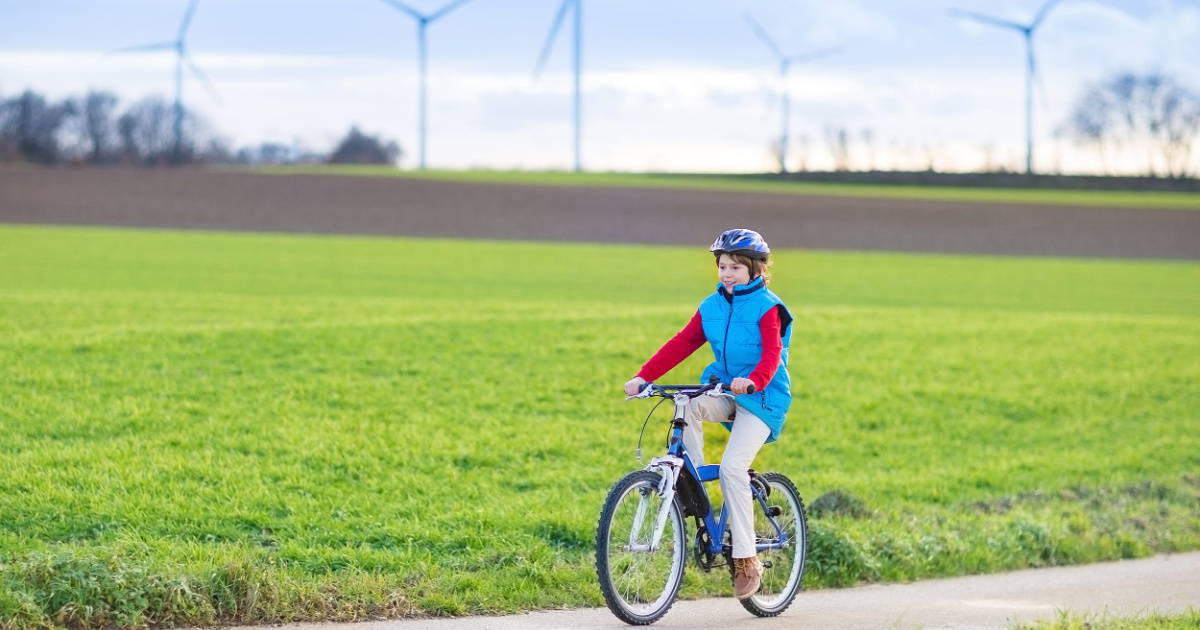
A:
1162	584
200	199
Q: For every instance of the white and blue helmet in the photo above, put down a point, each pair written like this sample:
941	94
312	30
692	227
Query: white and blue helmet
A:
741	241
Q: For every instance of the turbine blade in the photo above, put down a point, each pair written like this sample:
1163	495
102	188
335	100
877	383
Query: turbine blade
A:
400	6
558	20
1042	14
446	9
145	47
816	54
986	19
762	35
187	19
208	84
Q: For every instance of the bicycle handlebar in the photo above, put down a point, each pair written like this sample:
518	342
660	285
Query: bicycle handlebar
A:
691	391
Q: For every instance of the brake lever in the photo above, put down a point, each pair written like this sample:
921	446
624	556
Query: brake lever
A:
721	391
717	392
645	393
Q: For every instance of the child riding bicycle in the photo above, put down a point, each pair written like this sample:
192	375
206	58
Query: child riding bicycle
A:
749	330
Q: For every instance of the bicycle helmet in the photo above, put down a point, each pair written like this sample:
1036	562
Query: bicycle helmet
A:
741	241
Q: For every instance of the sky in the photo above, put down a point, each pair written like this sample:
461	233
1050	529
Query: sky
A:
668	85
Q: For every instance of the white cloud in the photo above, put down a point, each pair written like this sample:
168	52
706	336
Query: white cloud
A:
957	103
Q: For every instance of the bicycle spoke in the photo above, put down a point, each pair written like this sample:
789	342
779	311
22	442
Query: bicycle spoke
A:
642	581
783	572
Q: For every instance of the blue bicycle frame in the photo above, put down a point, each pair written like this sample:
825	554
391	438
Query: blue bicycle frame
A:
708	473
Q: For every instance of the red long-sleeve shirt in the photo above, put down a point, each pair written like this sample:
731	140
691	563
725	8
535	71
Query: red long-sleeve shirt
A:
688	340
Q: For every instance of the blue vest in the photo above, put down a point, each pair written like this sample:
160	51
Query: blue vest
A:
731	326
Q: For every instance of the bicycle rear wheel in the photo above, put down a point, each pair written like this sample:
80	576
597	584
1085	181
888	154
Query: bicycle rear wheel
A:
639	580
783	569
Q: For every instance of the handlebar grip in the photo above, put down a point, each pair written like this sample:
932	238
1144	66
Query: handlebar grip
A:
750	389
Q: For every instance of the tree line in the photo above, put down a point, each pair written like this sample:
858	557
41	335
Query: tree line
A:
1150	118
95	129
1147	119
1148	123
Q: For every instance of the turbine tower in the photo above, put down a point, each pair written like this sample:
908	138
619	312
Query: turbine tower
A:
423	21
785	64
182	57
577	6
1027	31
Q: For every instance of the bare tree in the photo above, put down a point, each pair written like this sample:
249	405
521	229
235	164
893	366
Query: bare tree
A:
776	150
802	153
1089	122
96	120
8	141
126	130
147	134
838	140
868	143
1139	112
1178	126
31	126
203	144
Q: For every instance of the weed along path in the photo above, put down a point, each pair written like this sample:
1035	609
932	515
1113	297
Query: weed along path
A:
1167	584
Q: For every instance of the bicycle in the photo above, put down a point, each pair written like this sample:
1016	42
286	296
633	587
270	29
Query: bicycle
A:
641	535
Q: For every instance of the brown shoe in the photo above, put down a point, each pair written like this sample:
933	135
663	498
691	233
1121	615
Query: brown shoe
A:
747	576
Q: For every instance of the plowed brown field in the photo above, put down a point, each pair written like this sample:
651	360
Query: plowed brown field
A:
220	200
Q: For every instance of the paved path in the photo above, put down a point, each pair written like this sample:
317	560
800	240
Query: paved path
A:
1165	584
194	198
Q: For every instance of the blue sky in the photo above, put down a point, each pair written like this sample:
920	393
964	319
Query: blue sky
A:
669	84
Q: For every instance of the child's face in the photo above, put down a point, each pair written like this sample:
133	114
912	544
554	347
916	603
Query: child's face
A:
731	272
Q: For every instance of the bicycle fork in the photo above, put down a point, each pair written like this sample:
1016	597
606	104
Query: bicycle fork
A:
668	467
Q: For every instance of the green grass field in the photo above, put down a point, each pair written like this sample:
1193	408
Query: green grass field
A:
1100	198
205	427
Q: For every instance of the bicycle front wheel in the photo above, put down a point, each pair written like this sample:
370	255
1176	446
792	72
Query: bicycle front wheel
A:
639	575
783	568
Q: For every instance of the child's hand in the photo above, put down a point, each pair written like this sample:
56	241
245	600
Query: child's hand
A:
741	385
634	386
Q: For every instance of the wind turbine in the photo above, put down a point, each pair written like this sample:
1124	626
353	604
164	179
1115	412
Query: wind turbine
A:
785	64
1027	31
423	21
181	58
577	5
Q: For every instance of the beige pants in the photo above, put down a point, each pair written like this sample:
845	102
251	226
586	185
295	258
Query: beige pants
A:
747	437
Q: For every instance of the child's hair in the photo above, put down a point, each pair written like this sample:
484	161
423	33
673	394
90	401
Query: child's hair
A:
757	267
